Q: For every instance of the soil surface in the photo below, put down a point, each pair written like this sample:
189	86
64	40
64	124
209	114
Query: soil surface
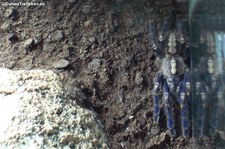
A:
103	44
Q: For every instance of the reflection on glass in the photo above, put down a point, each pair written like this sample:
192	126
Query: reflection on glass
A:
207	29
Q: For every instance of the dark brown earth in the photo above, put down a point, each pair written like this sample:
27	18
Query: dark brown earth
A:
106	45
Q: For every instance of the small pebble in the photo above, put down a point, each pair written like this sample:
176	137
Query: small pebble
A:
138	79
162	137
87	23
115	23
11	13
222	135
28	43
155	130
125	64
86	9
56	36
62	63
94	64
12	37
5	25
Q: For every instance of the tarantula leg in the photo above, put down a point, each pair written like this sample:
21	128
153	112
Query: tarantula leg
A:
156	110
168	109
187	83
180	31
201	113
195	105
157	83
153	37
184	99
183	96
166	26
215	113
153	34
184	118
178	88
183	40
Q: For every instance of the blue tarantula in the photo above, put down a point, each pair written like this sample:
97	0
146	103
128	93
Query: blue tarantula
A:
208	88
172	81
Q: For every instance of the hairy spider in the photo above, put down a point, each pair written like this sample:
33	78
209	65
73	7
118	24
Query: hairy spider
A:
171	45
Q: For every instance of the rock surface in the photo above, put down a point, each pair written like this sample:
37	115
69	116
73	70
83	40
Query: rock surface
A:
34	113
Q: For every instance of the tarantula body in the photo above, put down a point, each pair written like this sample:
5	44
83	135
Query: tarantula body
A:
172	80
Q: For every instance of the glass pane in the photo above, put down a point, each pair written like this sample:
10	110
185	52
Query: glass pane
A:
207	25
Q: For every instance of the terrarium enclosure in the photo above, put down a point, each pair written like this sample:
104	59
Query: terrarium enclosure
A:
112	74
